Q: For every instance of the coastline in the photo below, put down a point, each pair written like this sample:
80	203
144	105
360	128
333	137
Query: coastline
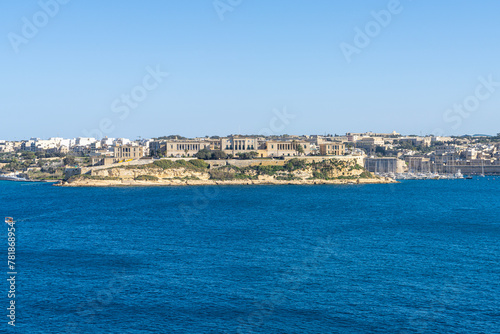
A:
167	183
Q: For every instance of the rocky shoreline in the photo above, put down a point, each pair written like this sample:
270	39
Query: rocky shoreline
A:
137	183
198	173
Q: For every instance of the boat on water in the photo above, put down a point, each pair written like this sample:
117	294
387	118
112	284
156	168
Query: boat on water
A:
459	175
482	169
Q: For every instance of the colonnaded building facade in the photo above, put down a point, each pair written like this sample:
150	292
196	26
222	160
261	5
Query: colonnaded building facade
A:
235	145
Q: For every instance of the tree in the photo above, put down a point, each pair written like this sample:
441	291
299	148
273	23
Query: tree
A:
204	154
207	154
40	154
381	150
172	137
299	149
247	155
217	155
69	160
28	155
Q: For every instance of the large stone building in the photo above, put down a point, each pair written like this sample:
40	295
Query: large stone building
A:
127	152
370	141
236	144
185	148
332	148
282	148
420	164
385	165
416	141
179	148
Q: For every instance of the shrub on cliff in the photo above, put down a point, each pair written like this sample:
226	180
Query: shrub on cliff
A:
269	170
365	175
218	174
197	164
92	177
146	178
165	164
295	164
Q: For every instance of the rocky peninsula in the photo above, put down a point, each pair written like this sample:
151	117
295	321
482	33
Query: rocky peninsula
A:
198	172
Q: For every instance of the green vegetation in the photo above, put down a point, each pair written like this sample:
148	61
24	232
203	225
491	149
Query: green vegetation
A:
46	173
197	164
269	170
171	137
221	174
295	164
293	169
69	160
326	170
247	155
93	177
366	175
28	155
343	177
336	170
319	175
146	178
185	178
300	149
288	177
207	154
231	173
42	154
16	165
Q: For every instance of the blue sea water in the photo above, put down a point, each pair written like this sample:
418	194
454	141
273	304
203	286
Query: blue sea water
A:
414	257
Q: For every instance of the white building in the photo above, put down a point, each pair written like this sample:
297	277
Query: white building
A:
121	142
82	141
107	141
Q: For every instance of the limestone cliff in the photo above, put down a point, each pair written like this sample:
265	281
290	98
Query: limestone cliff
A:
197	172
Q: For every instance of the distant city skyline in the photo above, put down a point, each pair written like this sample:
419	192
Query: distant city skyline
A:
77	69
251	135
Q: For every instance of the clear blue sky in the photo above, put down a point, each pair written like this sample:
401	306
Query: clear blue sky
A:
227	76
